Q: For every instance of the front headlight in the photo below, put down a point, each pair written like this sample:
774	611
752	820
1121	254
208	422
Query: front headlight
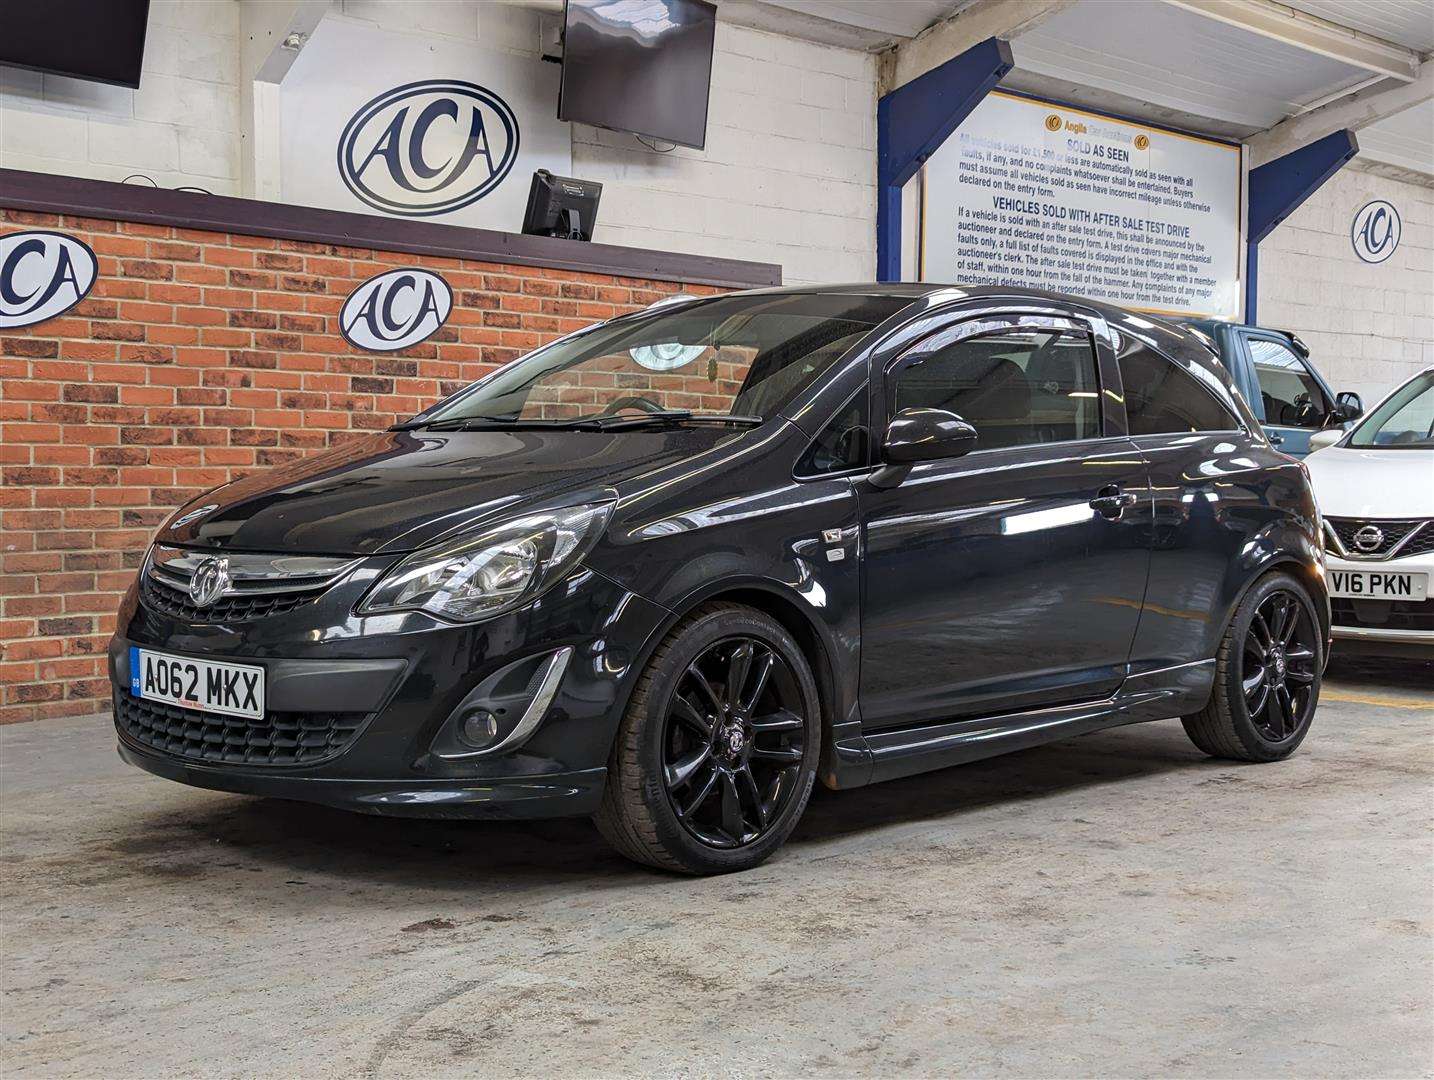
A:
497	570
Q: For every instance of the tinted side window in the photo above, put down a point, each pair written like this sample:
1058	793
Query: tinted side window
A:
1160	398
841	445
1292	397
1015	386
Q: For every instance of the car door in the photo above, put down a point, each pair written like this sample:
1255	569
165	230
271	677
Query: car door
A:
1011	577
1292	403
1212	486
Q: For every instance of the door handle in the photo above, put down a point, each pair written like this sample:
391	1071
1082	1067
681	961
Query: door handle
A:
1109	501
1276	439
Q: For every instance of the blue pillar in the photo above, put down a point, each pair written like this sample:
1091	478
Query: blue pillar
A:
913	120
1277	188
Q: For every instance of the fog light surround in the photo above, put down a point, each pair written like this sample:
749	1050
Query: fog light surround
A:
504	710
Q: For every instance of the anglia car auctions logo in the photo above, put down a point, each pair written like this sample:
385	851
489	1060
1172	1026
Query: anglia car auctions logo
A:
395	309
428	148
1375	232
42	274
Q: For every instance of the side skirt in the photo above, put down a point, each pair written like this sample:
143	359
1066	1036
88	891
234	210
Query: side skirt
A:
1151	695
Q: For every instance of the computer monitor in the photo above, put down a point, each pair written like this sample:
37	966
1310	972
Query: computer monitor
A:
561	206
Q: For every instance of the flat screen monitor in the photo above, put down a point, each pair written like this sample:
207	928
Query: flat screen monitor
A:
643	66
96	40
561	206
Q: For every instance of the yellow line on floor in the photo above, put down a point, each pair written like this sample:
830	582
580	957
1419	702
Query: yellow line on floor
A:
1386	702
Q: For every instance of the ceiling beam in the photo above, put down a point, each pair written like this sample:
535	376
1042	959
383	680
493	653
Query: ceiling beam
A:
1353	112
798	23
1310	33
1004	19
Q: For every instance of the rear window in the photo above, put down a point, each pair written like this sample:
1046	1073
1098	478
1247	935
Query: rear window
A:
1161	398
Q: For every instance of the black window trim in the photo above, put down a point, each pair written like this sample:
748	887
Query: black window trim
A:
1093	327
851	470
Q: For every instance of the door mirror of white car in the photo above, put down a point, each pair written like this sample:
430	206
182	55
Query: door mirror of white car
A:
1328	437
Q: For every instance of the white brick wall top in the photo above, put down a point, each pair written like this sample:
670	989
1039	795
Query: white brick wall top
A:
1369	327
180	128
788	174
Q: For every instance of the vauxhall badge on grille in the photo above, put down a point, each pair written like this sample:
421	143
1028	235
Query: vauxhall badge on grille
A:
210	580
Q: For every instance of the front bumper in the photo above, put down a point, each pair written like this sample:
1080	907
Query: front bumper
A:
1384	627
553	795
395	681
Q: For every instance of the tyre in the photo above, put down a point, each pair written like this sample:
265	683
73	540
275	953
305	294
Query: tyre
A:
1267	676
716	755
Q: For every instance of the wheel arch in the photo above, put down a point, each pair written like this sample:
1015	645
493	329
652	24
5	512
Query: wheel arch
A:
778	601
1307	573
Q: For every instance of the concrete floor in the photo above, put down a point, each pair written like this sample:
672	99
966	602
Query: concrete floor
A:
1115	905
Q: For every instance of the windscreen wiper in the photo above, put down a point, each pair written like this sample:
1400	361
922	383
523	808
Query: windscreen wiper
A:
621	422
469	423
614	422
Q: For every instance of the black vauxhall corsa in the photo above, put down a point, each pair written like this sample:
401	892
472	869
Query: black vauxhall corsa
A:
670	569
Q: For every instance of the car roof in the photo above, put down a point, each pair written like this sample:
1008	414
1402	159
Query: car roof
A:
918	290
1166	334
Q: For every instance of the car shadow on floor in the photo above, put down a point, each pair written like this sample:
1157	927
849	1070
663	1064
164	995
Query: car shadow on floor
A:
236	834
1377	673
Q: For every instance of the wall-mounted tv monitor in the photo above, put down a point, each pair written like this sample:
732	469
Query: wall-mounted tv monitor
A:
96	40
643	66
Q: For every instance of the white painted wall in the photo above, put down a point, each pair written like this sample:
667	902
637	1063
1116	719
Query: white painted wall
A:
180	127
1369	327
788	174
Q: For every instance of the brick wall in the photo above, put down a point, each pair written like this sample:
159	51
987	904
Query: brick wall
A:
197	358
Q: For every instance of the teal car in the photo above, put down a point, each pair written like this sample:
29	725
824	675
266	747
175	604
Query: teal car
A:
1286	392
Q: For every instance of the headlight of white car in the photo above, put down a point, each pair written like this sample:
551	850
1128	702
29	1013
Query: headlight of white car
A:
501	568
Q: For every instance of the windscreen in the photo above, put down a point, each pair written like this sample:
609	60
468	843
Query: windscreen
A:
745	355
1404	420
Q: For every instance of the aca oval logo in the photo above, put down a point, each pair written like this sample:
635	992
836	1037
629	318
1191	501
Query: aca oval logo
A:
428	148
42	274
1376	231
395	309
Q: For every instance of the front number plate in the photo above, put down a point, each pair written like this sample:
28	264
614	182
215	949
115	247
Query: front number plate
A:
1378	585
230	689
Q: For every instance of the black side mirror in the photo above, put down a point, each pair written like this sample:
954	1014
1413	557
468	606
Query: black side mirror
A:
926	435
1347	406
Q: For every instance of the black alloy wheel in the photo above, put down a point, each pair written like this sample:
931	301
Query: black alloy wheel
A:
716	755
733	749
1277	666
1266	677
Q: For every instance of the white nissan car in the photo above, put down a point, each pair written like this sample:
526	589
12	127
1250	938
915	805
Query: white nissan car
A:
1375	486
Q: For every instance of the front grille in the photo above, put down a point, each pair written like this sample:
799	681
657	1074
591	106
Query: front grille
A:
1384	614
247	585
167	600
280	738
1421	543
1392	532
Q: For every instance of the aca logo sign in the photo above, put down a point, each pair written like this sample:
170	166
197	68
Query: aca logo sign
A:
395	309
428	148
1375	232
42	274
